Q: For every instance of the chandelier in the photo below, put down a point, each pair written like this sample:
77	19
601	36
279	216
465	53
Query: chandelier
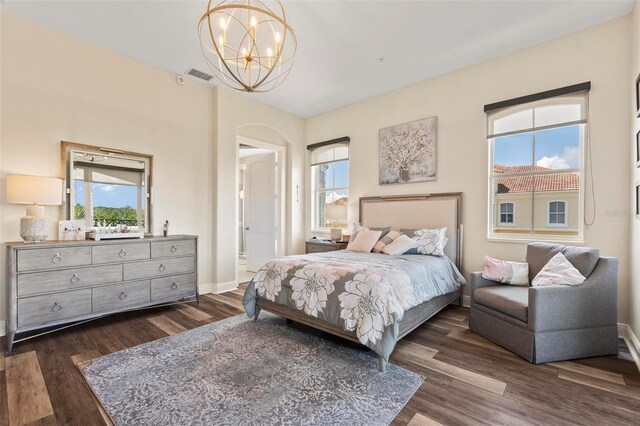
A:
247	45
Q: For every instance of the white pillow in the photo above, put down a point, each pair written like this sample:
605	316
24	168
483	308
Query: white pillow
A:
364	242
502	271
558	271
357	228
399	245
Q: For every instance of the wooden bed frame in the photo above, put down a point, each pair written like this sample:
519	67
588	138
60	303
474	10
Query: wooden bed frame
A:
410	211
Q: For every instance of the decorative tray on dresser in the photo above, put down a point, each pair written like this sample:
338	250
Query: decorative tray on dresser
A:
59	282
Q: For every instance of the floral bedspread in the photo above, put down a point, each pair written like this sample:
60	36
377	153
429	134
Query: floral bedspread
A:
363	292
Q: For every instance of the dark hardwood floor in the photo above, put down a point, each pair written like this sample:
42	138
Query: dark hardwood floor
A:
468	380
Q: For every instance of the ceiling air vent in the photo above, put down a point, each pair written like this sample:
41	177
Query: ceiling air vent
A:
199	74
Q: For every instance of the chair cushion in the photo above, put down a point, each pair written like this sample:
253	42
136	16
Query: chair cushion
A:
584	259
510	300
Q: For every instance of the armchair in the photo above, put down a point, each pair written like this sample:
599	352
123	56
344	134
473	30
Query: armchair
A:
545	324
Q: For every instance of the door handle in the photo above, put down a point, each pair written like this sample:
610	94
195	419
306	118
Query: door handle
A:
246	229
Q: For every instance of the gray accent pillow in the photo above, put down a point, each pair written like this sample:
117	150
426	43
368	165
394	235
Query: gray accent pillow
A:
584	259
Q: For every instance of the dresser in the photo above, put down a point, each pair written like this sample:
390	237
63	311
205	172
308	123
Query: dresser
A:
317	246
59	282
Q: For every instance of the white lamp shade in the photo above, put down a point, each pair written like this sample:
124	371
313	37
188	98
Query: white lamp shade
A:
23	189
336	212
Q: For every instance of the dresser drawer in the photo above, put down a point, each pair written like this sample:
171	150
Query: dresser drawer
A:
170	288
44	282
320	248
173	248
39	310
120	296
159	268
112	253
53	258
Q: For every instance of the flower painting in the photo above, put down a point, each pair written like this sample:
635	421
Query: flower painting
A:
408	152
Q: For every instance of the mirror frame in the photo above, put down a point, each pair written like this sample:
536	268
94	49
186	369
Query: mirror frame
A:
67	147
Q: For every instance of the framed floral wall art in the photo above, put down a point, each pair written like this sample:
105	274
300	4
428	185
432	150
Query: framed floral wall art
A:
407	152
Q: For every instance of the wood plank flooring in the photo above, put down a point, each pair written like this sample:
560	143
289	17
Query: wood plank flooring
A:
468	380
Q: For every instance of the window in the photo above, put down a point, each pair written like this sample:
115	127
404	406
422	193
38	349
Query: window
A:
536	167
329	185
507	214
557	211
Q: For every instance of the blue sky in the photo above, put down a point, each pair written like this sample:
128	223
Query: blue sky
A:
338	175
555	148
106	195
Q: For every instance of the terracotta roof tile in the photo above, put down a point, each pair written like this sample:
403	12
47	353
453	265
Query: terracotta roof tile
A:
543	183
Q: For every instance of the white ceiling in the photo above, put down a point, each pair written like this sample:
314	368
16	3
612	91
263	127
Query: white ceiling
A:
339	42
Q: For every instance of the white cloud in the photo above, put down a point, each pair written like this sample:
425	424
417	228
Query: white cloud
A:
107	188
554	163
572	156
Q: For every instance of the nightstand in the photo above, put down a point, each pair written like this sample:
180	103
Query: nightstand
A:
317	246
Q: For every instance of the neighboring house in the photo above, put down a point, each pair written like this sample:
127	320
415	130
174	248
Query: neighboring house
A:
551	208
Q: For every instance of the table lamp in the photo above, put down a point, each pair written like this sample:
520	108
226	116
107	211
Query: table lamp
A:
37	192
335	213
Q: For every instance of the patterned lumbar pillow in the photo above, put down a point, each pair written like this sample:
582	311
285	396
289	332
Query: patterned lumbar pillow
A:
385	241
430	241
400	245
558	271
502	271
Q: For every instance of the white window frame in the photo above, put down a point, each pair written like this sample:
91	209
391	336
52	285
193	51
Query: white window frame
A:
492	202
513	213
314	191
565	224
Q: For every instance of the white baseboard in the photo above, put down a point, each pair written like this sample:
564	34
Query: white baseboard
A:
625	332
206	288
3	330
223	287
217	288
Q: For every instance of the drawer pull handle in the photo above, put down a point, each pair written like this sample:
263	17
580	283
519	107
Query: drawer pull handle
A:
174	248
162	268
75	279
123	295
56	307
123	253
174	286
57	258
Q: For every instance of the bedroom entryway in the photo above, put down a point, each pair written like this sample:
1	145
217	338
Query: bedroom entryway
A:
260	182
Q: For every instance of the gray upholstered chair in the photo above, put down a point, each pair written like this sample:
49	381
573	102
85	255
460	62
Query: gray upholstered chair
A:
545	324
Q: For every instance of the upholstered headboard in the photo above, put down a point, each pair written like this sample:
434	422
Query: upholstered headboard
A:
418	211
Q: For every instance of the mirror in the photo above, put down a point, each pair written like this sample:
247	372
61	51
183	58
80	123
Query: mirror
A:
106	186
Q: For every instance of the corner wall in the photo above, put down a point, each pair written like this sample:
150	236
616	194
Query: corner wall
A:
239	115
599	54
634	293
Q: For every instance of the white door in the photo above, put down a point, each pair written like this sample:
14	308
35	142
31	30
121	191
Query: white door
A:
260	218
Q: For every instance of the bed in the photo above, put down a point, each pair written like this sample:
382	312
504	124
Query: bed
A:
370	298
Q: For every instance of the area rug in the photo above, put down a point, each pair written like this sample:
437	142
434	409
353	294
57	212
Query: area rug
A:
237	372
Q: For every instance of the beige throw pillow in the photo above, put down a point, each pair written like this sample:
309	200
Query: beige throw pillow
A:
400	245
364	241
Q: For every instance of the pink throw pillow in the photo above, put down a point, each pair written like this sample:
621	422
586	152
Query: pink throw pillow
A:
502	271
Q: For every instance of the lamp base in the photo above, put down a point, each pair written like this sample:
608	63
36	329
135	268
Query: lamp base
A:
34	229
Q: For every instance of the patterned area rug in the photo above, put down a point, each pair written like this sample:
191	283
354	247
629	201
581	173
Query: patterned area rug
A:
237	371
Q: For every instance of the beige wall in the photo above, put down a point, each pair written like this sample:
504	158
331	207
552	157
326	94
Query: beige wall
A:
634	296
599	55
55	88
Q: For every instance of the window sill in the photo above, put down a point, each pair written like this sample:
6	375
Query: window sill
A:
555	240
